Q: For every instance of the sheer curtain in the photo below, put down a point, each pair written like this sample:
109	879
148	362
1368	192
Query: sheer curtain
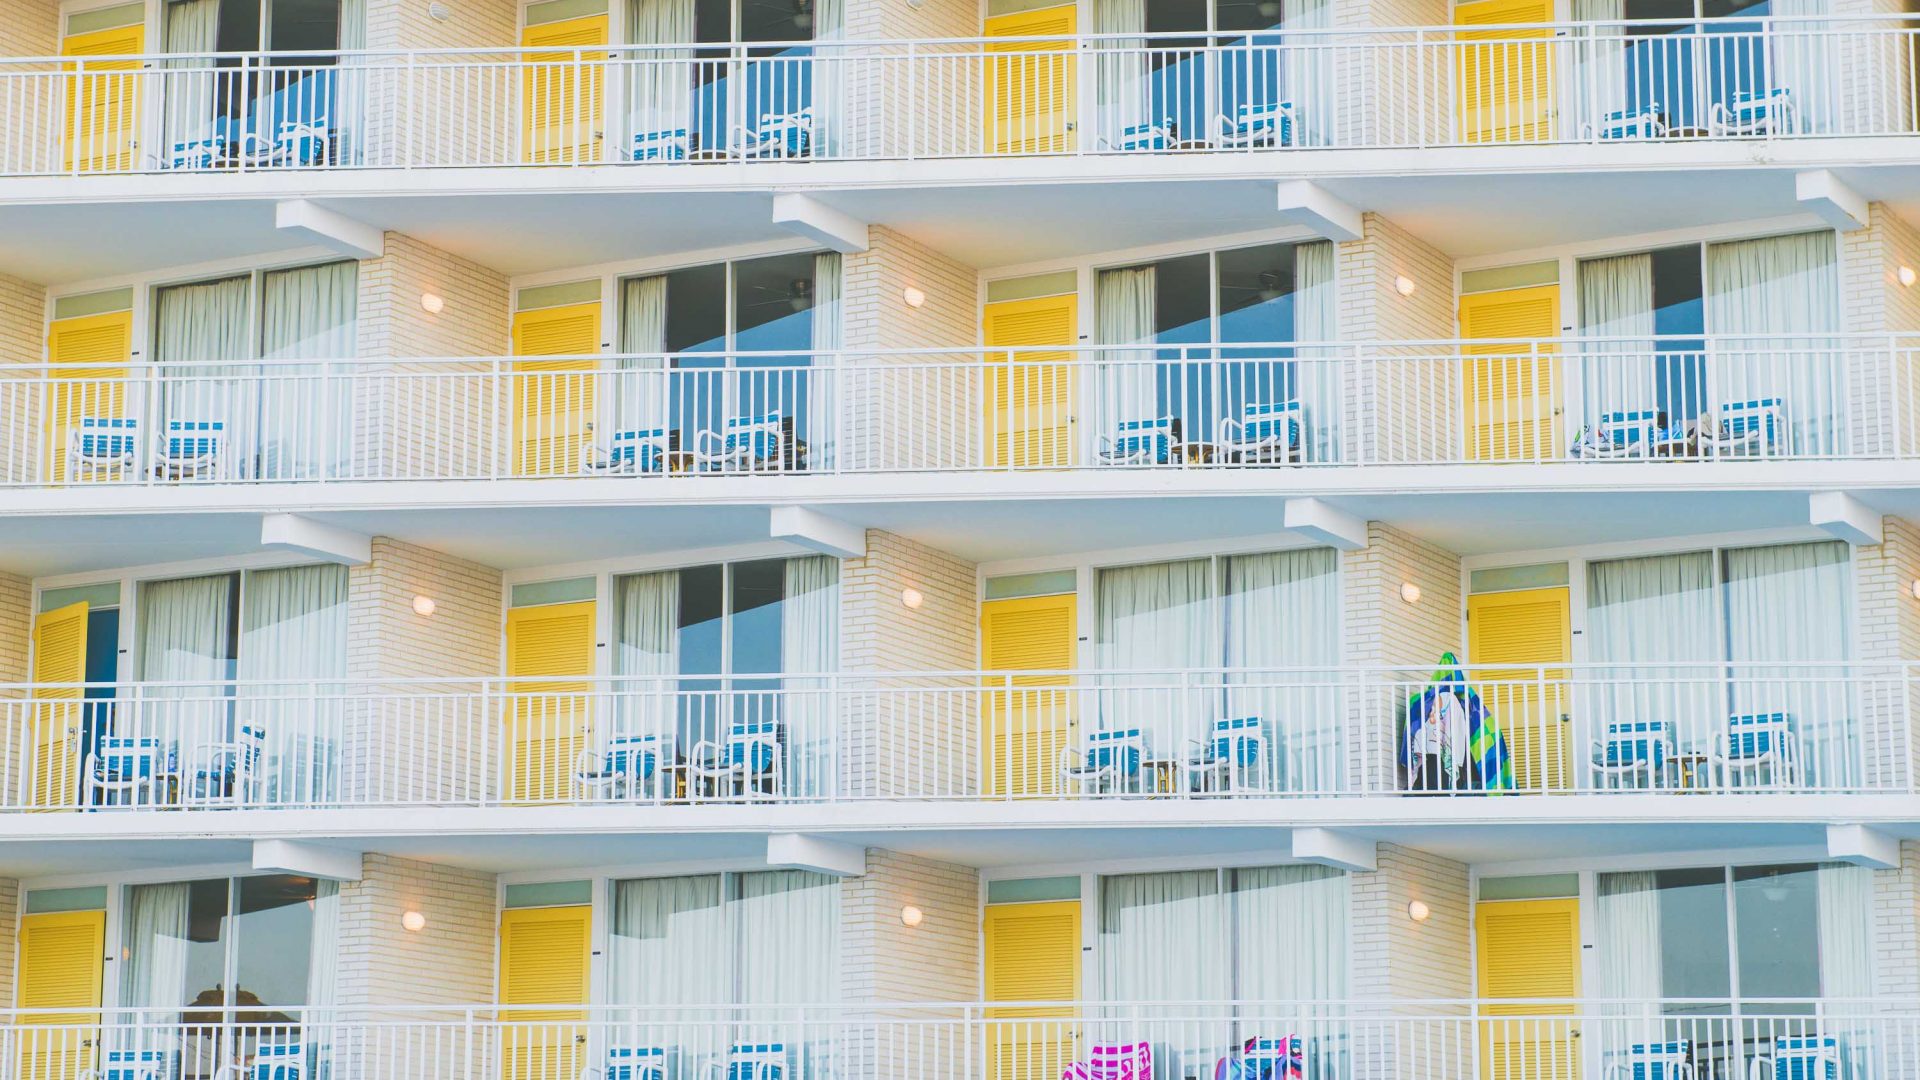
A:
1308	76
1290	933
293	639
1121	82
323	958
1846	933
660	79
1154	623
1316	377
1281	610
647	654
1627	937
828	95
306	419
788	927
1786	605
155	976
1599	85
1648	619
810	643
821	385
191	92
1125	311
642	402
184	634
350	100
209	324
1616	301
666	947
1163	939
1803	62
1775	303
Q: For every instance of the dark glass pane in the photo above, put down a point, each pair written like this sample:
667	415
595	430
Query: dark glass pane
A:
702	609
773	313
1679	317
758	588
303	26
205	945
1256	305
1777	929
273	942
697	323
1694	962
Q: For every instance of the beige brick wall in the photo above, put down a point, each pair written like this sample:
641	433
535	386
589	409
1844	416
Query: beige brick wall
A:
9	938
1896	926
1408	412
1884	384
16	635
23	338
916	411
1394	957
30	125
31	28
451	110
885	109
894	742
1889	622
438	420
1383	630
1368	112
883	960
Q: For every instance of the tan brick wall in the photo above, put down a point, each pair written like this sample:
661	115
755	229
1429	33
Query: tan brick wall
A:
31	28
1884	384
9	939
899	416
1406	411
884	110
30	125
1383	630
403	24
1395	957
1889	622
1372	82
416	420
1896	926
16	636
452	111
895	743
23	337
882	959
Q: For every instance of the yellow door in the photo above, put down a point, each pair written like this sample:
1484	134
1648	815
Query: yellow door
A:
61	956
1512	392
553	400
1529	949
543	961
1028	725
59	657
103	105
1030	83
563	90
1033	955
78	393
551	648
1531	628
1031	389
1505	75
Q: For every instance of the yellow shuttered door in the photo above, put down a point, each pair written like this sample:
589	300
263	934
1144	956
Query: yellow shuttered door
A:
59	656
1529	949
1027	724
1030	83
1033	954
543	961
1031	398
1526	628
563	90
85	392
553	399
60	964
1506	75
103	104
551	648
1512	394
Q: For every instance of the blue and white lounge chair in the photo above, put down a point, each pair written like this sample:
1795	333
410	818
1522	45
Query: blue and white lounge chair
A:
229	773
626	767
778	135
1265	433
1671	1060
1624	434
299	120
670	144
757	1061
1798	1057
124	771
1644	122
136	1065
641	451
752	443
632	1063
1113	760
1141	442
750	760
189	448
1757	745
1256	124
278	1061
1754	428
205	151
1761	112
1634	753
101	444
1232	758
1151	135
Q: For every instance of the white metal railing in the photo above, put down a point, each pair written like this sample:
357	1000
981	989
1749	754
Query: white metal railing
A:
1815	728
963	97
1217	405
1030	1040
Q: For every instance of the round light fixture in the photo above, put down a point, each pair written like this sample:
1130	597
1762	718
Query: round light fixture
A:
1403	285
1915	588
914	297
1418	911
1907	276
433	303
413	922
913	598
912	916
424	606
1409	592
439	12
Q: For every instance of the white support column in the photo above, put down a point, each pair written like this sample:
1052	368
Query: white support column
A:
798	851
1330	847
291	532
1327	524
1845	517
1303	202
330	229
819	222
1862	846
816	531
1837	204
311	860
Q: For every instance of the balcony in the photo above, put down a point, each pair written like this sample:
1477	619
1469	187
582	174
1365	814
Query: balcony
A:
1349	1040
1178	737
1142	95
1589	402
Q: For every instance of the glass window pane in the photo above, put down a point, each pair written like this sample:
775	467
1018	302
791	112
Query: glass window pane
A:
80	898
547	894
1777	930
273	940
176	945
773	303
186	629
304	26
758	588
1694	961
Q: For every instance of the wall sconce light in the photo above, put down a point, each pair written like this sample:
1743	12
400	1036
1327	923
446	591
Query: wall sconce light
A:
912	598
413	922
439	12
1915	588
433	303
424	606
1403	285
912	916
1409	592
1907	276
1418	911
914	297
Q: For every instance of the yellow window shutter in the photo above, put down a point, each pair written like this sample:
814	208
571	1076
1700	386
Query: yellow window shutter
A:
554	399
1509	637
85	392
1032	399
104	108
1030	97
563	92
1032	954
1028	726
59	656
1506	81
1512	396
552	648
544	961
1529	950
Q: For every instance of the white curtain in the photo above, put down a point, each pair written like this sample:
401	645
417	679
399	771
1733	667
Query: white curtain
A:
1774	305
642	402
809	644
1803	62
829	80
789	931
293	638
1627	937
1281	610
1290	933
1616	301
306	419
1163	937
660	79
1156	620
647	654
1648	619
821	384
203	325
183	638
667	947
323	955
155	976
1599	85
1846	933
1308	66
1121	80
1125	310
1786	605
350	97
189	96
1316	377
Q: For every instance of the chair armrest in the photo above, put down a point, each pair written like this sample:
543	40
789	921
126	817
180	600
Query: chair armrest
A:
591	1070
587	760
1223	432
702	437
1067	756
